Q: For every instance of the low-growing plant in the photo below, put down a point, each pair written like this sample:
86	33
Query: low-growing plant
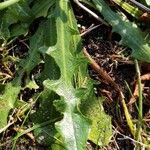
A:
63	111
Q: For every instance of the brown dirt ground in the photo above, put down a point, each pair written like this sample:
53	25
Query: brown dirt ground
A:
104	48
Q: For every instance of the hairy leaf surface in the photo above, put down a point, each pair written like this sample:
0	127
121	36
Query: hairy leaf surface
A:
101	129
73	127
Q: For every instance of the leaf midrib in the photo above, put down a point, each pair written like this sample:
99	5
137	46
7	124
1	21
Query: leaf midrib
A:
65	49
61	43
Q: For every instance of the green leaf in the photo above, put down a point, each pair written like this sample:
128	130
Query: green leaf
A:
148	2
46	112
36	126
131	35
12	89
17	18
7	100
21	11
135	12
7	3
17	14
40	8
101	129
74	127
48	135
92	107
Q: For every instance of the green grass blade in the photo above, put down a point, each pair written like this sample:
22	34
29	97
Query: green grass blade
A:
140	106
129	8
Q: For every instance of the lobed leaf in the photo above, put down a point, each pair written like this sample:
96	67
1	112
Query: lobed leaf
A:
64	74
74	126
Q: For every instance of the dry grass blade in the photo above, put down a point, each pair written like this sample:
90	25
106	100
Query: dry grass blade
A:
89	30
105	76
135	94
144	78
30	135
8	125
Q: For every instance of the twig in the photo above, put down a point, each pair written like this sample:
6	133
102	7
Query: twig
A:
89	30
90	12
29	134
143	78
140	6
8	125
8	70
107	78
135	94
5	74
129	138
100	70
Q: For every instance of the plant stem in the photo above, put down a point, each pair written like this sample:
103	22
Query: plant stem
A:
127	114
7	3
90	12
139	5
140	108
